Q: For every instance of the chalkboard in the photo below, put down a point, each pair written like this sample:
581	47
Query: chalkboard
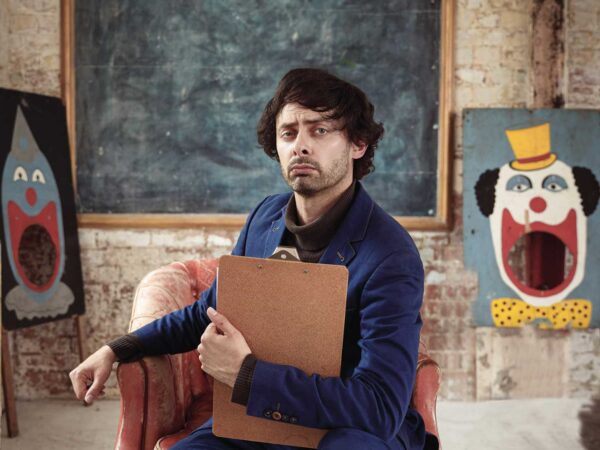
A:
168	94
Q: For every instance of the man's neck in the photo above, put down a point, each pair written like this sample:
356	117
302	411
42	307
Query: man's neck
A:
311	208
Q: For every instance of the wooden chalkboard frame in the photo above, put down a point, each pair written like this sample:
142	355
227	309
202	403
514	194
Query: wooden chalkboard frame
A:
441	221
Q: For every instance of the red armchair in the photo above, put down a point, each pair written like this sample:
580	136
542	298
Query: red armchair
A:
165	398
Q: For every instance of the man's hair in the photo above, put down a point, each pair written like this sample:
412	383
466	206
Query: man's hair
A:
321	91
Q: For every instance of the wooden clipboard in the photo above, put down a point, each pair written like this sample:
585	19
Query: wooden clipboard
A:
290	313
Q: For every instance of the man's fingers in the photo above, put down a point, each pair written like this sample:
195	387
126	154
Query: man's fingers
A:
210	330
93	392
79	384
221	321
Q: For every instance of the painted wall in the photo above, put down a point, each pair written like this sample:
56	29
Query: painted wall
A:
493	69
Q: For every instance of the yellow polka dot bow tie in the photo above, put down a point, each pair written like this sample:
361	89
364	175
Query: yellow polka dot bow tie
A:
514	312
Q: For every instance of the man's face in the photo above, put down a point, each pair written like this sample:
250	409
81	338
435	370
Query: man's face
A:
315	152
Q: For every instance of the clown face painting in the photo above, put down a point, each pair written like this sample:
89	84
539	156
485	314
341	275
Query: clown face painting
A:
33	224
538	207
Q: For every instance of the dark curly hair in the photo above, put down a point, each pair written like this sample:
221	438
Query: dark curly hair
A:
321	91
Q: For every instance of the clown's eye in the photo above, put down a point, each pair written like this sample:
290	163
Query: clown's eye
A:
554	183
38	176
20	174
518	183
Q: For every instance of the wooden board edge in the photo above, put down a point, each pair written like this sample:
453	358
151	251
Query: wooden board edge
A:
67	77
179	221
443	208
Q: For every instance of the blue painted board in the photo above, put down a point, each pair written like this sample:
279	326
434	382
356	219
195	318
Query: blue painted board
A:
575	139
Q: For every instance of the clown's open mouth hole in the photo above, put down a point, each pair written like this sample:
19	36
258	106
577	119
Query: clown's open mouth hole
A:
37	255
540	260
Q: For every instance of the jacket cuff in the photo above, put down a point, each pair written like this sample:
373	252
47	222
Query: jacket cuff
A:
243	382
128	348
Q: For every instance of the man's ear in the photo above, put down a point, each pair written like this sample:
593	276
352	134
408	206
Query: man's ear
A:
358	150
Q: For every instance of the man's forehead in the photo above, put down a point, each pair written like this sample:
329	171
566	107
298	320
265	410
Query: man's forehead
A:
294	113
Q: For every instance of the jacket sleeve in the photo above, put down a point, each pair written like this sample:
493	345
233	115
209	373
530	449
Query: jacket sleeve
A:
376	397
180	331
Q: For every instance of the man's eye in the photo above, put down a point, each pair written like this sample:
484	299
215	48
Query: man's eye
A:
321	131
287	134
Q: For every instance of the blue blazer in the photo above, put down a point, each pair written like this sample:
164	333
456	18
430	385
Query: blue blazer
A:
381	337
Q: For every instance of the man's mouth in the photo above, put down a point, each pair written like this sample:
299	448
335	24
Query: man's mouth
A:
301	169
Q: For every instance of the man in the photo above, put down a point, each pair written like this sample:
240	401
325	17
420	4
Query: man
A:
322	132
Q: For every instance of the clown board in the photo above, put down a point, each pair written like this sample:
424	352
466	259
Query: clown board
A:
531	222
41	269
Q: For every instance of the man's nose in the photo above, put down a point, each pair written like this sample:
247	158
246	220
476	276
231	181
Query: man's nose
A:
302	145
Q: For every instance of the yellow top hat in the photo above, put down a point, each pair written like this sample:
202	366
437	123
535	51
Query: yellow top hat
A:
531	147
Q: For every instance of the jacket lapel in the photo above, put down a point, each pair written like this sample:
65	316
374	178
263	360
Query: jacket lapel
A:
353	228
275	234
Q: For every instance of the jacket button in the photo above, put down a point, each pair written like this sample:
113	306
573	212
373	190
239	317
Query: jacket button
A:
276	415
293	419
267	413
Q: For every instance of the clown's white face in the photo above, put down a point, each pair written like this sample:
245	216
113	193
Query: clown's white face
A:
547	201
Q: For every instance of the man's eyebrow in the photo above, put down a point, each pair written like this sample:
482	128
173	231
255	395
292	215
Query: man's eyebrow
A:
307	121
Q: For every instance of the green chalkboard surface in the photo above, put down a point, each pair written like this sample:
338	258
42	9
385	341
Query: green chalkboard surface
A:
168	94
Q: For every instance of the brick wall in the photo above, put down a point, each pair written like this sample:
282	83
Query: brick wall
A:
583	54
493	69
30	45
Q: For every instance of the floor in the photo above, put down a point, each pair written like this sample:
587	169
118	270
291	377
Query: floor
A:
543	424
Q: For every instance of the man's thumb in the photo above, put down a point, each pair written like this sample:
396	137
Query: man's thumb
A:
92	392
221	321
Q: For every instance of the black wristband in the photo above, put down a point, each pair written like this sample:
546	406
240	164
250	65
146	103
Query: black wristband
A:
128	348
243	382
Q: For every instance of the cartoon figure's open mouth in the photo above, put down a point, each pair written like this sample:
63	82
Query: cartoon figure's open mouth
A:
546	276
35	245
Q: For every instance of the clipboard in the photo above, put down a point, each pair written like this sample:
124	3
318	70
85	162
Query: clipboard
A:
290	313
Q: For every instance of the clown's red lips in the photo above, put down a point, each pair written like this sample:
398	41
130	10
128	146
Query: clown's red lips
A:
37	264
565	232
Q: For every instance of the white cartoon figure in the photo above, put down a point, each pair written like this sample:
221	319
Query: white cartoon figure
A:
541	201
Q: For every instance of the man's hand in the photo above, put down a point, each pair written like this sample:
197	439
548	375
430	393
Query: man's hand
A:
89	377
222	349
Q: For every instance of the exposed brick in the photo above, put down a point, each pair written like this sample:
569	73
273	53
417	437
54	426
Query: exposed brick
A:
23	23
219	241
471	76
34	6
433	292
124	239
182	238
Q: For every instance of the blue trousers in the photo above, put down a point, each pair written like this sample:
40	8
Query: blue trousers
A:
341	439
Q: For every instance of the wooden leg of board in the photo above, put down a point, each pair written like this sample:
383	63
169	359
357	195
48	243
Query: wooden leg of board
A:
8	389
80	326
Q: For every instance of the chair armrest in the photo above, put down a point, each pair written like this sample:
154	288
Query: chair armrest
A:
427	385
157	392
142	383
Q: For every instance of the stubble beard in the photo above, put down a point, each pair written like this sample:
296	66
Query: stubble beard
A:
311	185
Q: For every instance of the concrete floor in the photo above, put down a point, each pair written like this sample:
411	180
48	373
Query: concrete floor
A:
543	424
